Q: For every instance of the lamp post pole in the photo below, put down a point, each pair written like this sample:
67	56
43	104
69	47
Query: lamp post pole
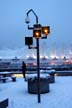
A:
38	70
38	65
38	57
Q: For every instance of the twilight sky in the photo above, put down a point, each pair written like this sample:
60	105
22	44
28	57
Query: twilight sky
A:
55	13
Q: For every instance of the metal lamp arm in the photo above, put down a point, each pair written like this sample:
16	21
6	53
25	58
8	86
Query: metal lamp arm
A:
31	10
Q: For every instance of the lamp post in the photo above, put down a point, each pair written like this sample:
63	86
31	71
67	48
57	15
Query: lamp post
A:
37	30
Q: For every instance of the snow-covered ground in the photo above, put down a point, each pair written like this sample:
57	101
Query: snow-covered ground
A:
60	95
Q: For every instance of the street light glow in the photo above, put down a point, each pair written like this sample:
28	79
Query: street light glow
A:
37	33
46	30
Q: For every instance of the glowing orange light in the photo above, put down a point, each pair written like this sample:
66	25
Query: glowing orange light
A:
37	33
46	30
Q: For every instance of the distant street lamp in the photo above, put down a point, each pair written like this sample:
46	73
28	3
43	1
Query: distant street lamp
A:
38	32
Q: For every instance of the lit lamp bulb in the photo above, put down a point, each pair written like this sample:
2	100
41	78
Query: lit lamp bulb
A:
37	33
45	30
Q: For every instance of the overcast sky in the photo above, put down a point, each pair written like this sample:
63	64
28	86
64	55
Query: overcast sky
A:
55	13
